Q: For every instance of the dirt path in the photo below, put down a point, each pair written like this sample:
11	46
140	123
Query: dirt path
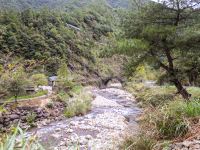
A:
112	118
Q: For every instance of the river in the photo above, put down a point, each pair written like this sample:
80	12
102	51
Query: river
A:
111	119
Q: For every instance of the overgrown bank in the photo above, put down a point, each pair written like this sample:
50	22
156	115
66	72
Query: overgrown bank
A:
167	117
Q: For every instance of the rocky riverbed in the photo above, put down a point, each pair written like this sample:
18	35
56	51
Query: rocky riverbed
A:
112	118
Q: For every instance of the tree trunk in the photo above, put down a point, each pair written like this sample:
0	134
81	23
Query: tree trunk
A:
16	99
181	89
172	73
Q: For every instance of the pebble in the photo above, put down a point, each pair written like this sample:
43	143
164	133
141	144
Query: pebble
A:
70	130
58	129
88	137
186	145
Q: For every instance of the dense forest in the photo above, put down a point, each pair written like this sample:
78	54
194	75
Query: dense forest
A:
66	58
57	4
44	35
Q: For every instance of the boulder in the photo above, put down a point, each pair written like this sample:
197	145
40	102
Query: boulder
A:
14	116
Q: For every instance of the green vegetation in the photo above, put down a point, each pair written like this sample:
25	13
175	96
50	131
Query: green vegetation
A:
156	41
30	118
49	105
63	81
39	79
140	143
162	36
37	94
40	38
79	105
10	143
58	4
166	115
14	82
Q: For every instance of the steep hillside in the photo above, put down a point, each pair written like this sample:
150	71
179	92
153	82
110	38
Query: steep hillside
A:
55	4
40	39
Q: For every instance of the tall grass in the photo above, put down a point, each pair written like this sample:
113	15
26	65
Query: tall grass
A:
168	115
79	105
192	108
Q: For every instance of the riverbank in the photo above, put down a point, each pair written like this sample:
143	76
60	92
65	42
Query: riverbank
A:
168	121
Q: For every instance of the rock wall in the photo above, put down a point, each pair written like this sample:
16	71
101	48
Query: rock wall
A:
14	115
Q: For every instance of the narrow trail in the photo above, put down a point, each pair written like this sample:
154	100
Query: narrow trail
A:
112	118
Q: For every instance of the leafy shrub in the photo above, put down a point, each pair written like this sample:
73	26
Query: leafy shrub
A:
102	30
49	105
30	118
9	141
79	105
64	82
62	96
141	143
70	111
39	79
135	88
76	89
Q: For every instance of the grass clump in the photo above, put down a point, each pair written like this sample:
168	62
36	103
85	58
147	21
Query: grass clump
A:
169	126
192	108
31	118
62	96
156	96
141	143
49	105
79	105
172	120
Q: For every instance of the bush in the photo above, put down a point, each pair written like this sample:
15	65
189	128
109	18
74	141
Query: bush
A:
76	89
79	105
39	79
49	105
62	96
70	111
30	118
64	82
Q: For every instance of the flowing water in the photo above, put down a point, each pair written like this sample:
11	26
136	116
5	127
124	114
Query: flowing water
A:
111	119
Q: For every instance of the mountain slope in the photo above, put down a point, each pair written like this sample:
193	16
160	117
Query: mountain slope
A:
53	4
